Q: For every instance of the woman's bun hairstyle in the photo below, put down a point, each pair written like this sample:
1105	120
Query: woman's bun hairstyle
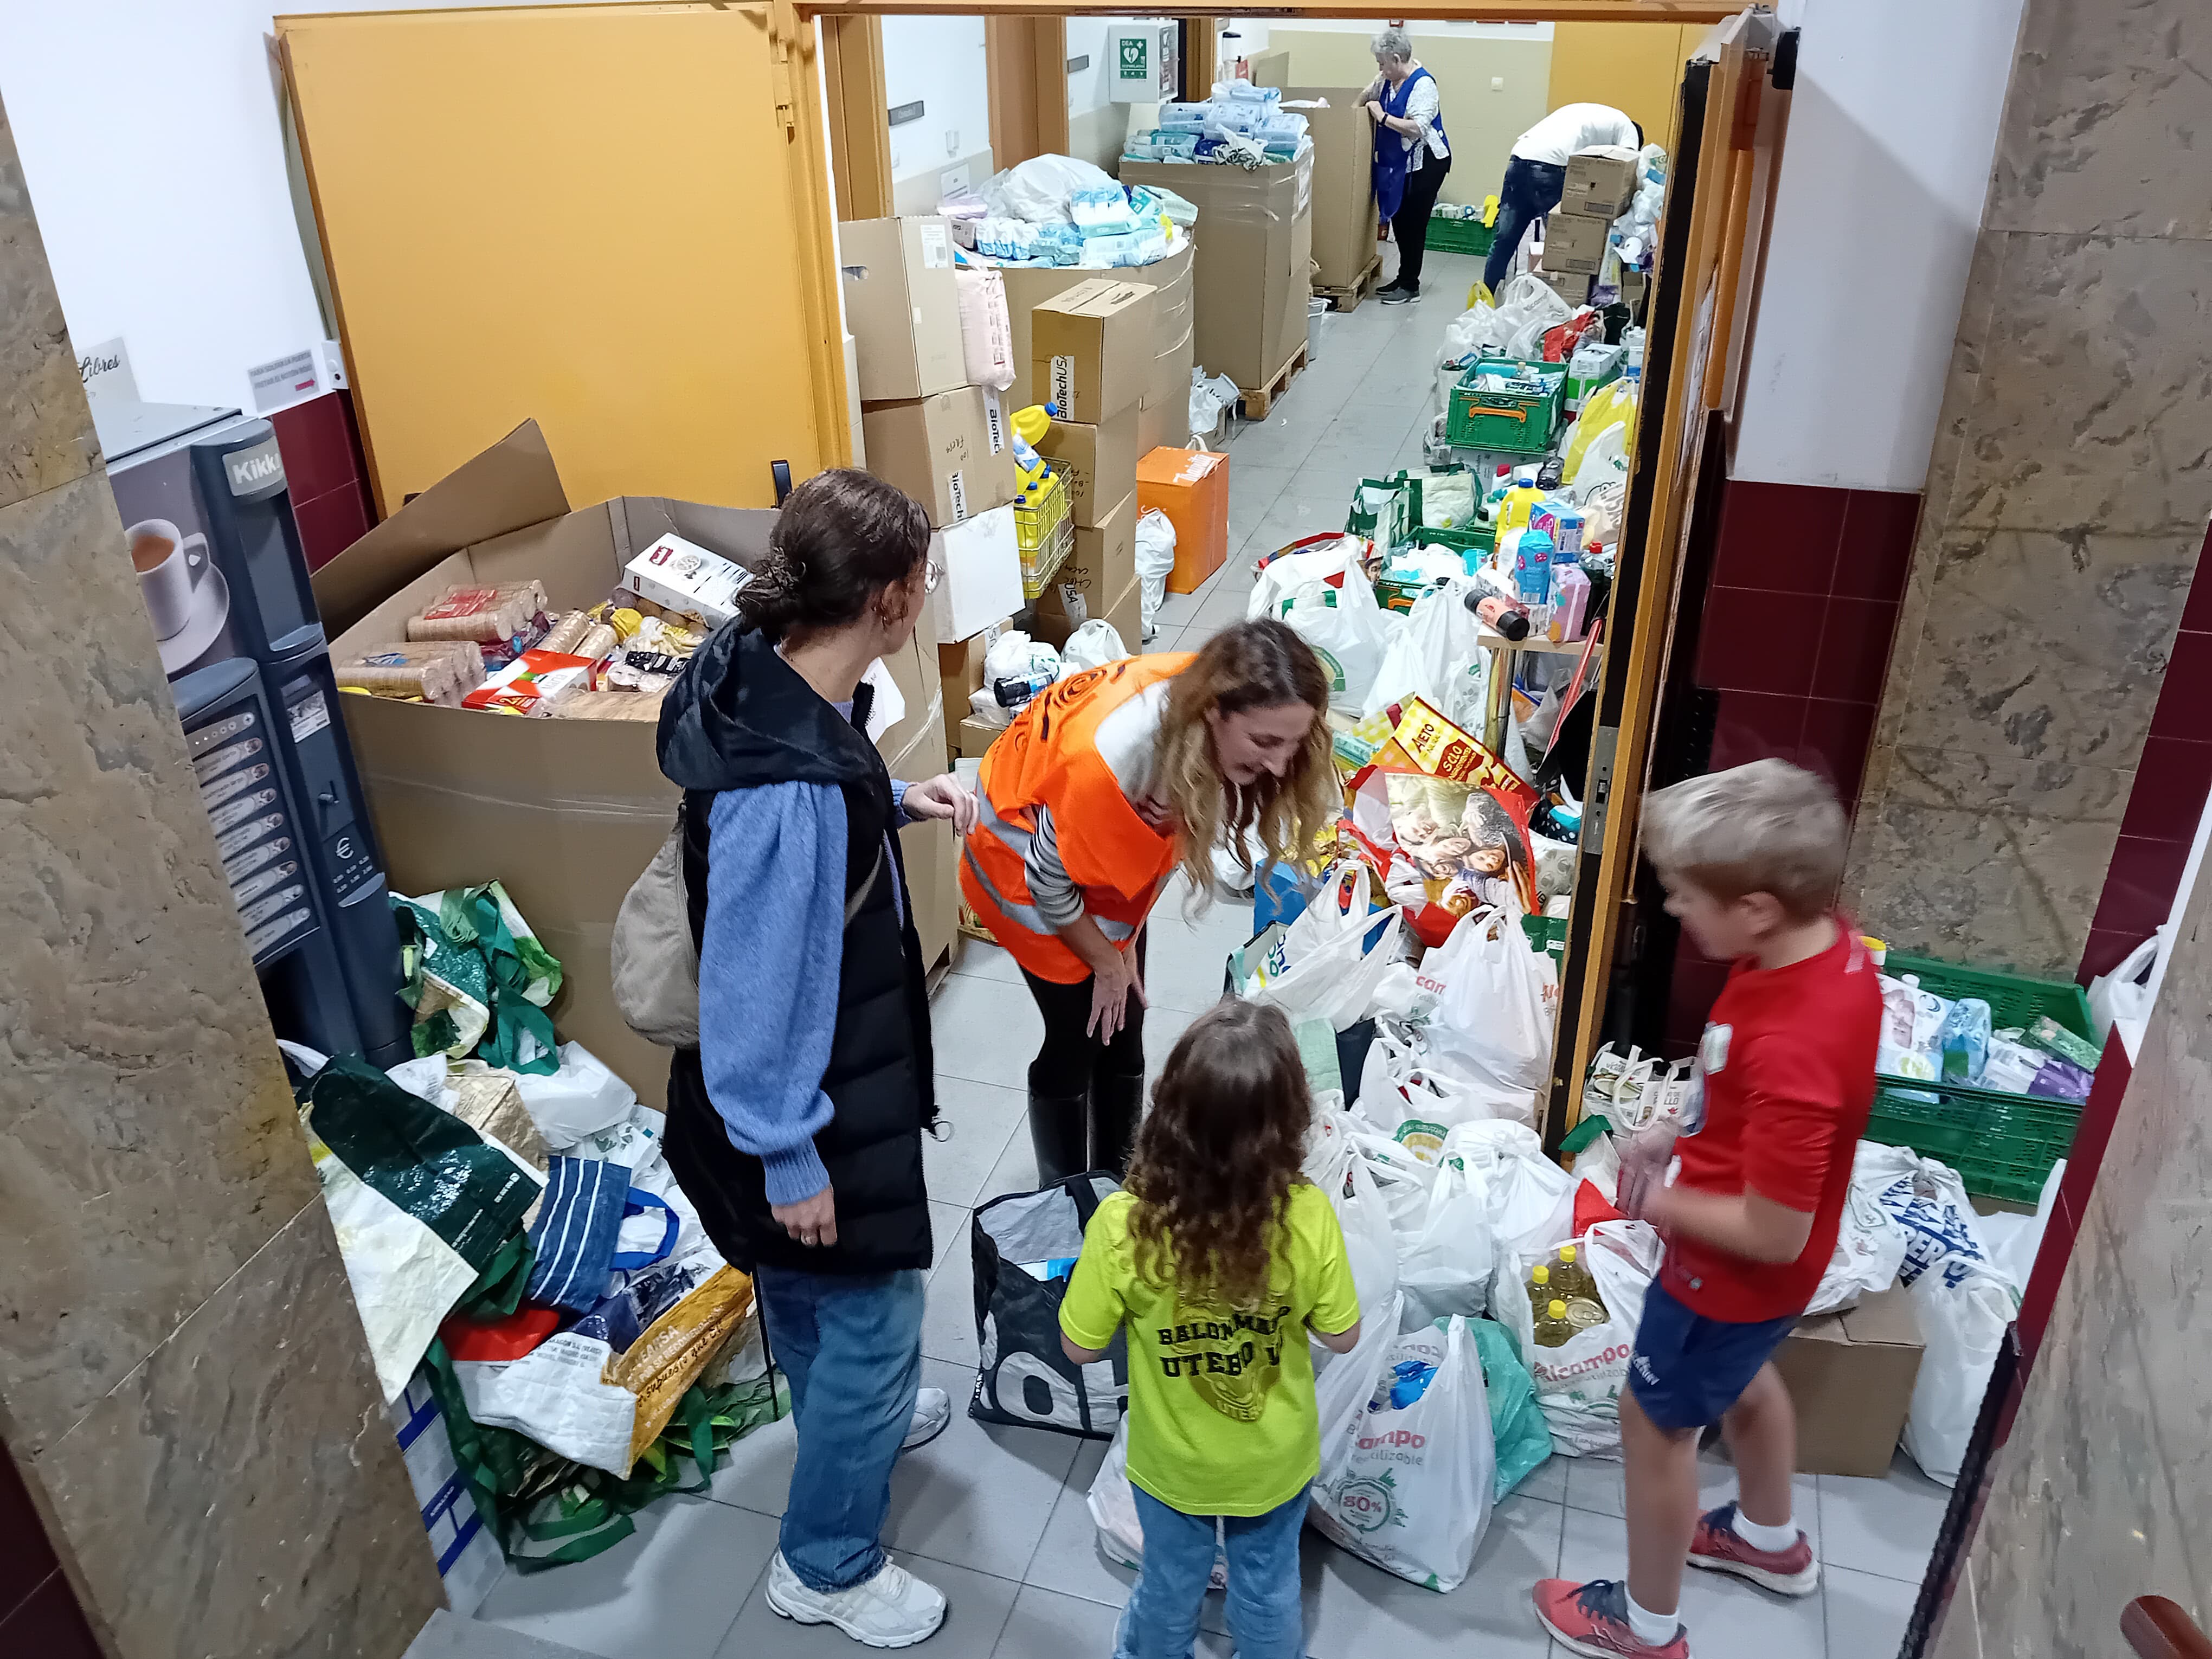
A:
841	537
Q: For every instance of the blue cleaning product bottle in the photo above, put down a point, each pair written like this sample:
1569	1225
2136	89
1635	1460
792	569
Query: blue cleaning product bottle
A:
1532	567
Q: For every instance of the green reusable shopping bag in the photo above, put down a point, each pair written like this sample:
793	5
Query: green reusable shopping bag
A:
477	979
1516	1426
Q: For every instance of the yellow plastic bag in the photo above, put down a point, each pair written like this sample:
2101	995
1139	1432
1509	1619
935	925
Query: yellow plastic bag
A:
1611	405
669	1357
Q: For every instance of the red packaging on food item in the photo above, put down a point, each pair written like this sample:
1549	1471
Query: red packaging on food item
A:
531	683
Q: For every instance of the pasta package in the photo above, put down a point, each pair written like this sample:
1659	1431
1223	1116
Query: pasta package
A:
439	672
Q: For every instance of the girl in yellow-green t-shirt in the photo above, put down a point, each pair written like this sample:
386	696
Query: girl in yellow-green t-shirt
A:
1219	1259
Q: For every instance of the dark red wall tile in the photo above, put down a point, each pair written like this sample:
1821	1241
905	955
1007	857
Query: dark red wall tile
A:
49	1625
1750	641
1877	544
2197	612
331	524
1779	537
2140	886
1834	745
317	445
2171	781
1855	640
2105	951
2184	697
1753	726
26	1558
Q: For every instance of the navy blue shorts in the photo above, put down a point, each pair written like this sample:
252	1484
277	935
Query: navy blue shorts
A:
1688	1370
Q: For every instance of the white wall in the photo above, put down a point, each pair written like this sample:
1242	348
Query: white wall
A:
1892	129
938	60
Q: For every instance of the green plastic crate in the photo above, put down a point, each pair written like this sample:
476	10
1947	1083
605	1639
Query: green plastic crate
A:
1476	538
2001	1145
1458	235
1512	422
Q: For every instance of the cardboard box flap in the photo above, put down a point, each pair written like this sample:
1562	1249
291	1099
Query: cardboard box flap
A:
1885	1317
513	484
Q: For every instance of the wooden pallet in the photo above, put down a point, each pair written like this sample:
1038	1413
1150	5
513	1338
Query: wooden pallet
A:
1348	297
1257	401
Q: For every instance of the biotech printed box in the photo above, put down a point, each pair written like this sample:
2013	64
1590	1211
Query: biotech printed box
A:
902	305
1091	349
946	450
1099	463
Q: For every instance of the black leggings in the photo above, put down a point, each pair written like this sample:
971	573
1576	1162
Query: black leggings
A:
1071	1056
1409	226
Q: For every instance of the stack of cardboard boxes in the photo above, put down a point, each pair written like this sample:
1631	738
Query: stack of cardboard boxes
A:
1091	348
1598	190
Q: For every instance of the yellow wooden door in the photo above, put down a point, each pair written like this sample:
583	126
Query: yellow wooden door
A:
605	218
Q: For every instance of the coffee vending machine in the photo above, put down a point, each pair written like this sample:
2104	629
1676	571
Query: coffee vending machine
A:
207	516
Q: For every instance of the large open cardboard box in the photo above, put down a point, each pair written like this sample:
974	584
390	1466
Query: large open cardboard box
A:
1255	236
1343	182
566	813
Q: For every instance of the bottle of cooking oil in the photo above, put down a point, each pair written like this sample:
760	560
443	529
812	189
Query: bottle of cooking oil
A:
1554	1328
1540	1288
1574	1278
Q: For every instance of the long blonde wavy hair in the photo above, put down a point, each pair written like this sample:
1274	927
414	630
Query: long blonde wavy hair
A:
1255	664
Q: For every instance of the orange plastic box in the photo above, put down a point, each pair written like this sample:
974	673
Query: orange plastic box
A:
1191	486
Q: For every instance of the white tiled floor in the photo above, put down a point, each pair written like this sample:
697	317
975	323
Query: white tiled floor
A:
995	1516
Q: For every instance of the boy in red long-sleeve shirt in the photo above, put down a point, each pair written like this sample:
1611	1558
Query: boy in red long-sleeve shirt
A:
1751	859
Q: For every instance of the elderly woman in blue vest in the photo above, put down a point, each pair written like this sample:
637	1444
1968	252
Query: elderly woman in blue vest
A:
1412	154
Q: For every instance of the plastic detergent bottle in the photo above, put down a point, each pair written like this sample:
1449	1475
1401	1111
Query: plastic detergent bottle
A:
1031	424
1519	503
1554	1328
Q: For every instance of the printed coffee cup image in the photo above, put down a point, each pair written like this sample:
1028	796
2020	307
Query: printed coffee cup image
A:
168	563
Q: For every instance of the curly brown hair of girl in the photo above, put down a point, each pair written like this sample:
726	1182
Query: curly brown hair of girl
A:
1218	1155
1260	664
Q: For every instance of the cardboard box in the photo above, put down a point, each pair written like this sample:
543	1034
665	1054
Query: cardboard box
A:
902	306
1574	244
932	859
1192	488
1255	237
960	662
1029	287
1102	564
566	813
1164	415
1091	349
975	738
920	687
1599	186
982	562
1271	68
944	450
1126	613
1572	286
1344	217
1850	1376
1101	463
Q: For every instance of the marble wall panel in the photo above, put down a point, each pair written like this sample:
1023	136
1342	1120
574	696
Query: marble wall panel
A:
148	1142
45	431
241	1493
2107	121
2095	411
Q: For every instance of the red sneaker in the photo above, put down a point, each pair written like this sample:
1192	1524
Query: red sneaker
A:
1720	1547
1592	1620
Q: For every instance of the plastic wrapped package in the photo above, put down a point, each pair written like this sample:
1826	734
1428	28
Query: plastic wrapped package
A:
1038	190
1156	546
440	671
485	615
987	329
1091	646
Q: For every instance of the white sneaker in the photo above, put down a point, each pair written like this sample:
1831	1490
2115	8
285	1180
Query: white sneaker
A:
933	1410
894	1609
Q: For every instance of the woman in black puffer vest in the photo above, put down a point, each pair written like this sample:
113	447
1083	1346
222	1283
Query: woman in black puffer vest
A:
796	1126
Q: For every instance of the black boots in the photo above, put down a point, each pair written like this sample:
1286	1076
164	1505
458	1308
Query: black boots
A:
1116	1103
1073	1133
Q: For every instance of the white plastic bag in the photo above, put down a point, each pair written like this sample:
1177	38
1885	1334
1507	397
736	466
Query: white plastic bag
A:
1438	656
2125	993
1416	1096
1091	646
1531	1199
581	1099
1870	1250
1038	190
1406	1464
1324	968
1578	1384
1208	399
554	1395
1446	1260
1113	1506
1347	630
1278	577
1527	306
1490	1000
1332	1164
1156	546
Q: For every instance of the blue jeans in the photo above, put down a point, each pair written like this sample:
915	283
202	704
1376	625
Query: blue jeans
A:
1266	1617
852	1350
1531	190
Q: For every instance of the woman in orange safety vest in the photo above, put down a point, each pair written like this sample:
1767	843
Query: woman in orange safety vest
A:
1101	788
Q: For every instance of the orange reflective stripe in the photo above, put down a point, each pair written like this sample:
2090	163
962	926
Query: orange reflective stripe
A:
1049	757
